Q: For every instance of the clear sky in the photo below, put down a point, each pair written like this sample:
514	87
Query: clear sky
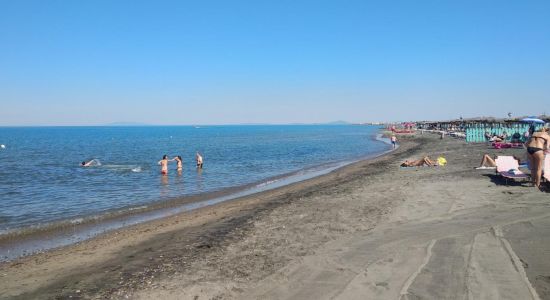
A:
225	62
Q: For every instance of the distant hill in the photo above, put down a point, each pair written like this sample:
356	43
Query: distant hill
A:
127	124
328	123
339	122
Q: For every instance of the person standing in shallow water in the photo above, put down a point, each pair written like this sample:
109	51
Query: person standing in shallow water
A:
179	162
164	165
393	141
199	159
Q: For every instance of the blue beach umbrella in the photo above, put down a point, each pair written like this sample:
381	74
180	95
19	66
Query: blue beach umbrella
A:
532	120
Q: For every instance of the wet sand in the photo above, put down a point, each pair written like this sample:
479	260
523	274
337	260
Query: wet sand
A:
370	230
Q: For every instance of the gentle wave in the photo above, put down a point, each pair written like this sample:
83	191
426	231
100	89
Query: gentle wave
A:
70	223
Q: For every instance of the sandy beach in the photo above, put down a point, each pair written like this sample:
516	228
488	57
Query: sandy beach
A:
370	230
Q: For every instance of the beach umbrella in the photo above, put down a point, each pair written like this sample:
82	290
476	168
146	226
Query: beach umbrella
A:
532	120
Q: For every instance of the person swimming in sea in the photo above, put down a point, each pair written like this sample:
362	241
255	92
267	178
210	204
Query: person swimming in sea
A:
199	159
164	165
87	164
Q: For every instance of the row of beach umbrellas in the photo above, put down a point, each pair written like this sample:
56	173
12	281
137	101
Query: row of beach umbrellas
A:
532	120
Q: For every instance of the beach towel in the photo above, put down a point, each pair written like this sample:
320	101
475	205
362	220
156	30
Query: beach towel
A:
485	168
524	165
414	167
500	145
514	172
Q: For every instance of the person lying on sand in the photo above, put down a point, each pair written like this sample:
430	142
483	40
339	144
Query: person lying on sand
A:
496	138
488	162
426	161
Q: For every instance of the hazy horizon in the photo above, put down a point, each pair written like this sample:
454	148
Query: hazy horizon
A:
174	63
137	124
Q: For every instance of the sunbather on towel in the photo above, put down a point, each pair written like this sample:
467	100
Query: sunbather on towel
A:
426	161
489	162
496	139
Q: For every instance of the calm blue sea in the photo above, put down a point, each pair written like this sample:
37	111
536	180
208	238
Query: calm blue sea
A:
41	180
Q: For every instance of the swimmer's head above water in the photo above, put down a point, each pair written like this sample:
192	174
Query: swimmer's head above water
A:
86	164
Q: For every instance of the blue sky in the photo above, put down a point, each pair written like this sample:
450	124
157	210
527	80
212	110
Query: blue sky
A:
227	62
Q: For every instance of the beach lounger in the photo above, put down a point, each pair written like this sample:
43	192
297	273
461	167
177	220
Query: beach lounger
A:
508	168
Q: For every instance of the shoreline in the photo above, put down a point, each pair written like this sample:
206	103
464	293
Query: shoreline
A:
33	240
369	230
218	219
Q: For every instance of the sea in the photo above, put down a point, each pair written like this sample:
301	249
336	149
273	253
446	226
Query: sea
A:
44	188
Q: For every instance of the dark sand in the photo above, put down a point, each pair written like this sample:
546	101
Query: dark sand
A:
370	230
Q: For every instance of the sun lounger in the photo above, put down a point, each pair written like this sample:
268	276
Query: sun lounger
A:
508	168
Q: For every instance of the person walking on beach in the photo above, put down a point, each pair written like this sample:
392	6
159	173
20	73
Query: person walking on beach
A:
536	146
198	157
164	165
393	140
